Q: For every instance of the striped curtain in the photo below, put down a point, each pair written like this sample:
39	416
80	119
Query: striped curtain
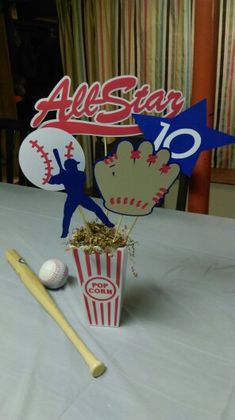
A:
224	157
151	39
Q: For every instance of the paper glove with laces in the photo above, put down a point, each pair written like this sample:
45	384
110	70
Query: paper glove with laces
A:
133	181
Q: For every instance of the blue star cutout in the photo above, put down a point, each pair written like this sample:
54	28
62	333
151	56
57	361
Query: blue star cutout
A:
185	135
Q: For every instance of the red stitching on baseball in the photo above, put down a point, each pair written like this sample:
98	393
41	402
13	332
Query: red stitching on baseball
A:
47	162
70	149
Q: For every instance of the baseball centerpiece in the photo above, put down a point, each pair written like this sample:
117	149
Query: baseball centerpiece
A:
132	180
100	256
131	183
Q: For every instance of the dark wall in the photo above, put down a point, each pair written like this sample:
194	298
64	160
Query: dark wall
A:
33	40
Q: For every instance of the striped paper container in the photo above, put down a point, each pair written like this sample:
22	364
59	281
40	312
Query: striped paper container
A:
101	279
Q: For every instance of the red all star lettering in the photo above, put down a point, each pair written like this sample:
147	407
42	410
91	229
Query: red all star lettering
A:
91	101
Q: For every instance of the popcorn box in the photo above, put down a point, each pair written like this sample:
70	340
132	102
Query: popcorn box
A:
101	279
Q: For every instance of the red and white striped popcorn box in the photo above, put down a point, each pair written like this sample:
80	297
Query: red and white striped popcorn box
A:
101	278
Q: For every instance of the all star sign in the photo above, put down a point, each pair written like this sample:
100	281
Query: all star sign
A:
184	134
85	113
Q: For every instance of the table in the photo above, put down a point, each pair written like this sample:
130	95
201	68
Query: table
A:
173	358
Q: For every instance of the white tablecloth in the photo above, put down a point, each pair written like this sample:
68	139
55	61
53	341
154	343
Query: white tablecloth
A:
173	357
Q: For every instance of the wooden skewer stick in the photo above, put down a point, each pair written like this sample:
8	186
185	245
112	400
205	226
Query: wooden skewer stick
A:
118	227
132	227
105	146
105	153
80	209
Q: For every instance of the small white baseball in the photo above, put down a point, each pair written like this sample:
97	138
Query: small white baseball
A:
53	273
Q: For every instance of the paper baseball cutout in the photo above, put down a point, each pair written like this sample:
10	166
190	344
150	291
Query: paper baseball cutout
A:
53	160
39	163
133	181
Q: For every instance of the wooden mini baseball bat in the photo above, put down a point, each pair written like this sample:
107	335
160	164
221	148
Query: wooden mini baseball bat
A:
33	284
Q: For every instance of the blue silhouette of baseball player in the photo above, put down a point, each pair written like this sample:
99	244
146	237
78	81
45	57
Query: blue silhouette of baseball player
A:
74	182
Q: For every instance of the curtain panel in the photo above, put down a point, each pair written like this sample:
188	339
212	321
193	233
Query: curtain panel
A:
150	39
224	120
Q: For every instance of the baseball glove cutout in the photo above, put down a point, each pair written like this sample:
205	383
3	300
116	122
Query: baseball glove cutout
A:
133	181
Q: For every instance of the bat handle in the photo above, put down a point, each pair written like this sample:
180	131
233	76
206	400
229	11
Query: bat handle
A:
96	367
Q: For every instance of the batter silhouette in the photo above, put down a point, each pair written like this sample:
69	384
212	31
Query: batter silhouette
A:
74	183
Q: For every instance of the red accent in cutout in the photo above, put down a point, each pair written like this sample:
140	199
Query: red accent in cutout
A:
116	310
98	266
138	203
165	169
34	143
87	308
135	154
109	313
144	206
132	201
70	149
125	200
93	128
152	158
108	265
112	200
95	312
160	195
118	200
47	162
78	265
88	264
110	159
118	270
102	313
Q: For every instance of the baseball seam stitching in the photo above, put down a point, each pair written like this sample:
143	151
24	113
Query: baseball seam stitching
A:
70	149
47	161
